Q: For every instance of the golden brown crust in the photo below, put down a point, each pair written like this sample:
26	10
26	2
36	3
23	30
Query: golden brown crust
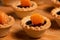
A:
54	13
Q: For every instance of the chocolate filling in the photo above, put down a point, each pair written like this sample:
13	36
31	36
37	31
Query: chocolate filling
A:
59	0
30	24
58	12
24	6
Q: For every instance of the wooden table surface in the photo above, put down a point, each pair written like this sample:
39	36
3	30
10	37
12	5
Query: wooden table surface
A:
17	33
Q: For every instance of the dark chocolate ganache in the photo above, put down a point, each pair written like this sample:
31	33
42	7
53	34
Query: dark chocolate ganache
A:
30	24
22	6
25	6
59	0
58	12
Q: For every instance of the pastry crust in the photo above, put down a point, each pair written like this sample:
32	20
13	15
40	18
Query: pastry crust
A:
54	13
56	2
5	29
35	32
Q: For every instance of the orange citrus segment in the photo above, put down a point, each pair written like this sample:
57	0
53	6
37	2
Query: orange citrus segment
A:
36	19
3	18
25	3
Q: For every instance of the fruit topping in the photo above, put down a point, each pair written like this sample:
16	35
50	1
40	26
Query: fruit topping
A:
3	18
25	3
37	19
30	24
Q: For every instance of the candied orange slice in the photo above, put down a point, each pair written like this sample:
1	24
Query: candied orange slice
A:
37	19
25	3
3	18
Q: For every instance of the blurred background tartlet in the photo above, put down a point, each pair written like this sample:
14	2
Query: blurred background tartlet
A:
56	14
6	23
24	8
56	2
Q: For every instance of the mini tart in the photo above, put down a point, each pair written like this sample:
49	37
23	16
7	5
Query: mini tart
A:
57	2
35	32
22	11
5	28
56	14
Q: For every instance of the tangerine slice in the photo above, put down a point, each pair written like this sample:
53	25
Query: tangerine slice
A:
25	3
3	18
37	19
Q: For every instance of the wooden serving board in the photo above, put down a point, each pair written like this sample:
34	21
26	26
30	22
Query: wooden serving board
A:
17	33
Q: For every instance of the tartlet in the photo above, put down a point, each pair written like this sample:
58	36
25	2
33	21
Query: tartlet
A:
35	31
56	14
56	2
6	23
24	11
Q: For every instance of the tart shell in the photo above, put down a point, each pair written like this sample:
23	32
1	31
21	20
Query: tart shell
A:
5	29
56	2
55	15
22	12
35	32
